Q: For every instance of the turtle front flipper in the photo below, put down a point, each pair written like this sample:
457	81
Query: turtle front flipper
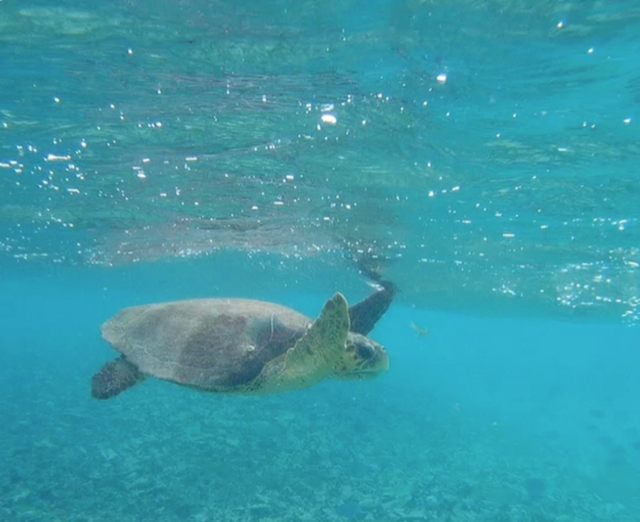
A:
367	313
317	352
114	378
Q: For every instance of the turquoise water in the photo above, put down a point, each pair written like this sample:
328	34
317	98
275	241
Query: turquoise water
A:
482	155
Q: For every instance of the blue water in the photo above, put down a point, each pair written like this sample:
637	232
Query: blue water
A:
482	419
481	155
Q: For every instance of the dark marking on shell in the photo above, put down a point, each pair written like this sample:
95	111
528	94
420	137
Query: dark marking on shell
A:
240	350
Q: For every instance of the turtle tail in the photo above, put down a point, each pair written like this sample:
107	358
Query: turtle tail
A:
114	378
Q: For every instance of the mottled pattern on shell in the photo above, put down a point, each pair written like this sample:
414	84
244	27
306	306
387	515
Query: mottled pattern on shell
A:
210	344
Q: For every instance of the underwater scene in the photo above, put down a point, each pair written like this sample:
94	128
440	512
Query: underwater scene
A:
304	261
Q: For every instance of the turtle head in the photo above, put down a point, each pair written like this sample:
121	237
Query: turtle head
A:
362	359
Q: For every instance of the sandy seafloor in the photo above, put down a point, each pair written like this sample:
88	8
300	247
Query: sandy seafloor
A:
482	420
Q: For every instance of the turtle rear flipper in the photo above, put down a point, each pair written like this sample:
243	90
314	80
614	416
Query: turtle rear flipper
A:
317	352
114	378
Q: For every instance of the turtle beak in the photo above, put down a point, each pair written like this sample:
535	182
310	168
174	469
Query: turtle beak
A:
384	360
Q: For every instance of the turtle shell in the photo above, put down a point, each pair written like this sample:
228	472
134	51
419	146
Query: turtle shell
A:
211	344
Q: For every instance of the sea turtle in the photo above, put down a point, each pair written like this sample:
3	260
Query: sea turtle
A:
242	346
